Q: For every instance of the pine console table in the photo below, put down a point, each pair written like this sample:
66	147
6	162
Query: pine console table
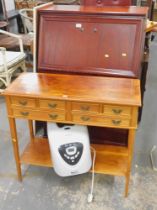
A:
86	100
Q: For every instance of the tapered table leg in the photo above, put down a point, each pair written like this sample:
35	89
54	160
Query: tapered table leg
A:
15	146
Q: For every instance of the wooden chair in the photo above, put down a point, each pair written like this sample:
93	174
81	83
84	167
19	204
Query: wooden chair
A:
10	61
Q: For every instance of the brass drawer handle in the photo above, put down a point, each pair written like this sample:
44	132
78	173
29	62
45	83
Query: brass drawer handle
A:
116	122
53	116
85	108
85	118
25	113
52	105
117	111
23	103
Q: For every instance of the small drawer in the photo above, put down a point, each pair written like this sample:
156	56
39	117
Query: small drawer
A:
24	113
24	102
37	115
88	120
118	122
52	104
55	116
85	107
117	110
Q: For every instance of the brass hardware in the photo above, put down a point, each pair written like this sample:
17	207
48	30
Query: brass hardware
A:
81	29
25	113
85	108
116	122
95	29
85	118
117	111
14	140
124	54
23	103
53	116
106	55
52	105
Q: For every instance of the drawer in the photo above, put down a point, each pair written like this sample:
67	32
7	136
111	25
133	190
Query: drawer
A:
24	102
117	122
88	120
52	104
85	107
100	120
117	110
37	115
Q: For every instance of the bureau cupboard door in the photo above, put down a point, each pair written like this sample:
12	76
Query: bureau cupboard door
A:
106	47
67	45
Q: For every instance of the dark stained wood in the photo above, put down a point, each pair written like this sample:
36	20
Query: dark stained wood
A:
93	41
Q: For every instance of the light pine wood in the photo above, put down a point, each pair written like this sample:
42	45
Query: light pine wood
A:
31	132
37	153
15	147
80	100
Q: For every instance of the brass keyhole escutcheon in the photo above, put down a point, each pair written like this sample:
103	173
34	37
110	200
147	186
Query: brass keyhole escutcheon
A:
124	54
106	55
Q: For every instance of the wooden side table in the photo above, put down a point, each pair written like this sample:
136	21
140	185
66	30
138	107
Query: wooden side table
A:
85	100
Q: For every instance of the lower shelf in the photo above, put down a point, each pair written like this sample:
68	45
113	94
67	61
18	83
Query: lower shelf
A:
111	160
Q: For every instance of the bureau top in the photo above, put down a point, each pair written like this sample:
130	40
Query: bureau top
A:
108	90
108	10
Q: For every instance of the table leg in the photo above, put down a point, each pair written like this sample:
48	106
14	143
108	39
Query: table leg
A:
131	137
15	146
31	132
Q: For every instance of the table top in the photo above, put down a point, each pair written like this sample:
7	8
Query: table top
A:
109	90
108	10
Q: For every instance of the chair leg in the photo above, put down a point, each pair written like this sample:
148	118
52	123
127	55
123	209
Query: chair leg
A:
7	80
24	69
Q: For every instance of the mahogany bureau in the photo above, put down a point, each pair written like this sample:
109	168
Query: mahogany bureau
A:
97	41
95	101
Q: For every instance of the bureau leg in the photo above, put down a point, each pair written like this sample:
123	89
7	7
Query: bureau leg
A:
31	132
127	179
131	137
15	146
